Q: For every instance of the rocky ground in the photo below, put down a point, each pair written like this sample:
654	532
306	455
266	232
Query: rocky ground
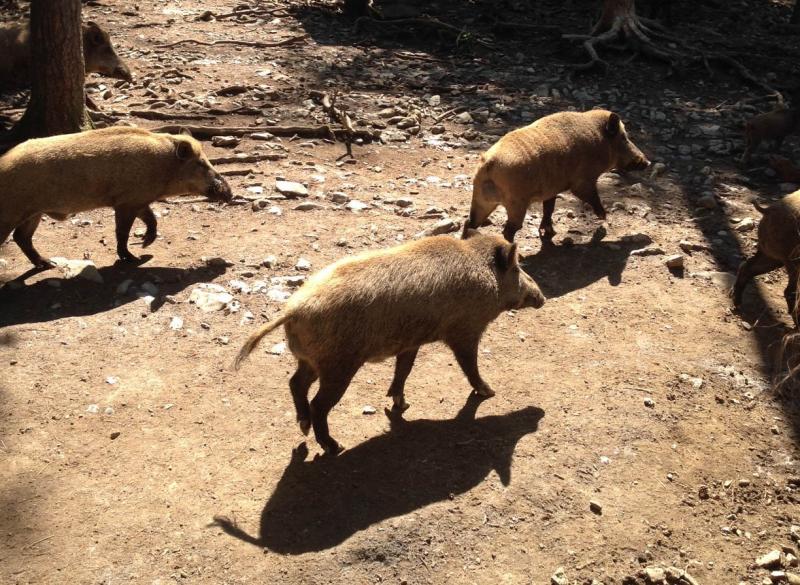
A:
633	439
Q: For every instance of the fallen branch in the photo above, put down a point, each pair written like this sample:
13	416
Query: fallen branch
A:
256	44
339	115
206	132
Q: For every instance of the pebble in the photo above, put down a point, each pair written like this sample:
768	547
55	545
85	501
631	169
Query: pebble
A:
464	118
746	225
770	560
176	323
649	402
85	269
368	410
443	226
291	189
648	251
302	264
356	206
225	141
278	294
93	409
404	202
596	507
269	262
559	577
209	297
262	136
308	206
338	197
115	434
674	262
277	349
292	281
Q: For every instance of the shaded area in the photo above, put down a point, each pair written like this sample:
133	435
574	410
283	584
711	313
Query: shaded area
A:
321	503
586	264
57	297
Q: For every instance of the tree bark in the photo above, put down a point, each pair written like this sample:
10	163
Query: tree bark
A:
57	71
612	10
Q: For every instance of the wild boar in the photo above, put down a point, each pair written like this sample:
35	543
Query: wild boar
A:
98	54
778	245
123	168
388	303
787	171
775	126
560	152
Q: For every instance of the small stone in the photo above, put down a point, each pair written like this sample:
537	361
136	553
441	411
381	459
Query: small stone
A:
368	410
434	101
278	294
225	141
338	197
112	380
115	434
649	402
771	560
674	262
403	202
308	206
746	225
176	323
277	349
85	269
657	169
648	251
464	118
93	408
217	262
356	206
108	410
702	492
262	136
559	577
269	262
655	575
744	482
443	226
210	297
596	507
292	281
291	189
302	264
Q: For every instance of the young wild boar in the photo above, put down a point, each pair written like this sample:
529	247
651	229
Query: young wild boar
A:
775	126
778	245
124	168
15	54
560	152
388	303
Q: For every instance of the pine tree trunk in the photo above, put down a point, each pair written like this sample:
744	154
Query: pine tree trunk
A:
613	9
57	90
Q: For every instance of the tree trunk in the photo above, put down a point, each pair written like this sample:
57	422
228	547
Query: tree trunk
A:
612	10
57	71
795	19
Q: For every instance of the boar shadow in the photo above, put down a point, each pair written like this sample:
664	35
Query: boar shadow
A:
587	263
319	504
77	297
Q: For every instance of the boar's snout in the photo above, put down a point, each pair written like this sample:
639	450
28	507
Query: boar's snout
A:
633	159
531	295
122	72
639	164
218	189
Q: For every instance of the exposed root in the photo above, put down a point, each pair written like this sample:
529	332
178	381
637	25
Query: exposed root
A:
461	34
256	44
206	132
337	115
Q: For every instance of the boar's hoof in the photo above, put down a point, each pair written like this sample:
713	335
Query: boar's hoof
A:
44	264
148	239
400	404
484	391
332	448
305	425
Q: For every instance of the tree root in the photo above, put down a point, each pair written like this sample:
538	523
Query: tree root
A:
256	44
325	131
460	33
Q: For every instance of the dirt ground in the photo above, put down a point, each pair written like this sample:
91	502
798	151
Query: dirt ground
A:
124	431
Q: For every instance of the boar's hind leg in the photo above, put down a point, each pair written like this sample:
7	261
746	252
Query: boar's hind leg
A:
546	231
332	384
760	263
466	352
23	236
148	217
123	218
516	215
299	384
402	368
791	291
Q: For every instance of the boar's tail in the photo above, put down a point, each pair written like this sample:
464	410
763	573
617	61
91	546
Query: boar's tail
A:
759	208
256	338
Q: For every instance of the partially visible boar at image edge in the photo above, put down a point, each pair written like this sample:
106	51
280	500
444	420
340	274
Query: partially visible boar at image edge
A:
388	303
560	152
120	167
15	54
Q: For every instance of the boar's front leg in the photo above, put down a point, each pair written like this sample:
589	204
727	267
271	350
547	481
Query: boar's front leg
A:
23	236
546	230
466	352
759	264
123	218
402	368
790	294
333	382
151	223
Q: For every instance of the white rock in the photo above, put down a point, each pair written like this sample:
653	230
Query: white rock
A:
93	408
338	197
277	349
239	286
208	296
85	269
256	189
278	294
464	118
269	262
674	261
443	226
112	380
302	264
746	225
108	410
308	206
368	410
291	189
225	141
176	323
356	206
292	281
770	560
723	280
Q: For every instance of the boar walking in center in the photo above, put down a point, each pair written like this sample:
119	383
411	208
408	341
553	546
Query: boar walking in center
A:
566	151
120	167
388	303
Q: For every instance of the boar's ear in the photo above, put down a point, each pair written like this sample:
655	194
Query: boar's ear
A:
95	35
184	150
613	124
505	256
